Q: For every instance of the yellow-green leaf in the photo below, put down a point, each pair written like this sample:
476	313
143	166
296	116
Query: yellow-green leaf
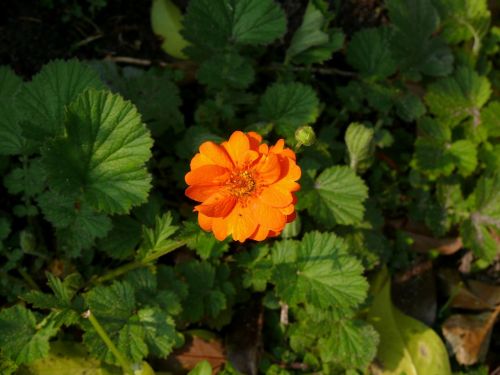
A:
166	20
407	346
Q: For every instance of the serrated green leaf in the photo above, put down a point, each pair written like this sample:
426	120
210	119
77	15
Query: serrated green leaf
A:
211	25
157	239
360	146
455	98
78	225
464	20
490	119
10	83
310	34
29	180
351	344
479	238
413	45
465	155
257	267
20	338
319	271
160	331
122	239
42	101
205	245
370	54
166	21
336	197
205	295
226	69
433	158
288	106
102	154
156	96
12	141
409	107
114	308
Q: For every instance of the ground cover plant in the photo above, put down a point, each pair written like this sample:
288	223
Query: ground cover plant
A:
294	187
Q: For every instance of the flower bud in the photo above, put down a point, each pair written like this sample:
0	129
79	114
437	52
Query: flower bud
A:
305	135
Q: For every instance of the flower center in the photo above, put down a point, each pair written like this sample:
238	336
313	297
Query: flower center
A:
241	183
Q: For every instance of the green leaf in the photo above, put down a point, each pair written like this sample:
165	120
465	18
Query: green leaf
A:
310	34
114	307
226	69
20	338
413	45
203	243
456	98
289	106
122	239
350	343
256	266
201	368
479	231
43	101
212	25
406	345
465	155
369	53
318	270
205	294
12	141
409	107
160	334
156	96
29	180
102	154
336	197
68	358
157	239
490	119
464	20
78	225
360	146
10	83
433	158
166	21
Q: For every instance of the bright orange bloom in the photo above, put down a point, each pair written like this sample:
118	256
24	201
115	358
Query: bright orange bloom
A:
245	187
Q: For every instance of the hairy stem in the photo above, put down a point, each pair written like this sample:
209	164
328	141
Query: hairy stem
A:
124	363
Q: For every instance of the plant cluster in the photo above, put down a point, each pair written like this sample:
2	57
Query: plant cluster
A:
102	257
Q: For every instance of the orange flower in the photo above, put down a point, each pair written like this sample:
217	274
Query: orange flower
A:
245	187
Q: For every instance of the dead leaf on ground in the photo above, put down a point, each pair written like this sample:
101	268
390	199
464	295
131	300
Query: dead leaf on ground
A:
472	294
195	350
469	335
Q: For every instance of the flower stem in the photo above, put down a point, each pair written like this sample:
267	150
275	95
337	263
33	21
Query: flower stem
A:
113	274
124	363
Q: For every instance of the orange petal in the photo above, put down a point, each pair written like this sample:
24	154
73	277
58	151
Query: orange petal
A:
201	192
275	196
216	154
205	222
241	224
288	209
260	233
218	205
237	147
278	147
219	228
267	216
255	140
268	169
206	175
291	217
